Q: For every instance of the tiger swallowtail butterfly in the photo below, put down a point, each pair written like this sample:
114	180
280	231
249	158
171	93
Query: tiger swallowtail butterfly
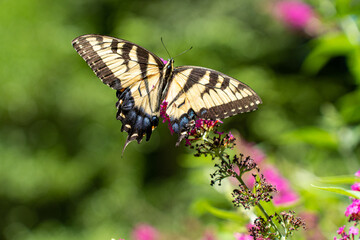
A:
143	81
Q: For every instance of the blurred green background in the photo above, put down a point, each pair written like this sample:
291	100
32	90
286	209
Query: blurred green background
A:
62	175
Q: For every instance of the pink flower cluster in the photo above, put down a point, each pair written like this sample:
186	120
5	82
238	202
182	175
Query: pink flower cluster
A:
206	125
353	210
201	126
347	236
353	213
164	115
356	187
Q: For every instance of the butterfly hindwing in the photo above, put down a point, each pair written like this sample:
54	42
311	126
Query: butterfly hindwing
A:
131	70
206	93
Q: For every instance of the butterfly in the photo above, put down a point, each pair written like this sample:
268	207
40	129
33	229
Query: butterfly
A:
143	81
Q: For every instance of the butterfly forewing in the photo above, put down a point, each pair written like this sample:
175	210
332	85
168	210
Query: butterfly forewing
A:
134	72
208	94
117	62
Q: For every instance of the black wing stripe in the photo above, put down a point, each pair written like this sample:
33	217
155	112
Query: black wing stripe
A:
214	77
208	101
114	46
144	57
125	50
86	51
213	80
100	39
225	110
194	77
225	83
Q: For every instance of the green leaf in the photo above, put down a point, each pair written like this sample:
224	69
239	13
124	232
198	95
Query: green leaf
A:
327	47
203	206
342	6
346	179
312	135
349	107
354	63
342	191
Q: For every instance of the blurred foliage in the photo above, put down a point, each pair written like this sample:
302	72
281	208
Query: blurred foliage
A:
349	193
62	175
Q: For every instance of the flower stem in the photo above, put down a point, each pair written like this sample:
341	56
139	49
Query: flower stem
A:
238	177
262	209
219	154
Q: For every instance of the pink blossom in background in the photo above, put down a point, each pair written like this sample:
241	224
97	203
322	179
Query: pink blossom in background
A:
357	174
249	149
356	186
144	232
295	14
313	230
208	235
285	195
241	236
164	61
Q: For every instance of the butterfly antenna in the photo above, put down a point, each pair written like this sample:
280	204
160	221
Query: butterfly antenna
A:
184	52
165	47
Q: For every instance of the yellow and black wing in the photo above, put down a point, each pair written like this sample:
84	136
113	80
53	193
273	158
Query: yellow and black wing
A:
197	92
134	72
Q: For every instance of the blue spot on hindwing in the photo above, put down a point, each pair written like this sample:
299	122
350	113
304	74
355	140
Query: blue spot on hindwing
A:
175	127
147	123
183	122
131	116
191	114
138	123
203	112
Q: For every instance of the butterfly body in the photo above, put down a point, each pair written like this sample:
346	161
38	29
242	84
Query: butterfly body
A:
143	82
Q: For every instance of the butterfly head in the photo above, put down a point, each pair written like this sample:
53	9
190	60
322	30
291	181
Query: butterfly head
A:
169	67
